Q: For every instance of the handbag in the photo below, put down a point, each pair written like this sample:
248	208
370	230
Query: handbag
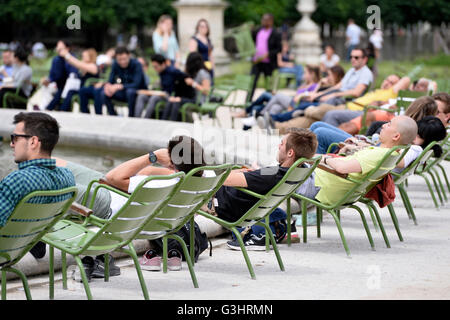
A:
72	83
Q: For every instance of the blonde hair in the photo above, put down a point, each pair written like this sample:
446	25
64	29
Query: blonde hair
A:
422	107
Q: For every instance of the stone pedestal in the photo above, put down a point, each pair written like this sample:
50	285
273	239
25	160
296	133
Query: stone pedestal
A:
306	42
189	12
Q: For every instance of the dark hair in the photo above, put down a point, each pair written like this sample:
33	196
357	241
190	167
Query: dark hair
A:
364	53
338	72
302	141
158	58
21	54
122	50
315	71
41	125
194	63
443	97
186	154
431	129
66	42
329	45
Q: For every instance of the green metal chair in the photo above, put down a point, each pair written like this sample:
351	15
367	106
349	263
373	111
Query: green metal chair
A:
430	169
353	195
210	106
114	234
26	226
400	180
259	213
193	193
280	76
242	36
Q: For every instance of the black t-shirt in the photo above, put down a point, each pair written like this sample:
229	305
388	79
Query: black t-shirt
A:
233	204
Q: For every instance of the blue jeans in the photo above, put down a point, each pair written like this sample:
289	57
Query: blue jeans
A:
297	70
286	116
326	135
258	104
277	214
66	105
126	95
87	93
56	99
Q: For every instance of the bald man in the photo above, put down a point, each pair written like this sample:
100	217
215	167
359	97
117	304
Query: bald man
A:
401	130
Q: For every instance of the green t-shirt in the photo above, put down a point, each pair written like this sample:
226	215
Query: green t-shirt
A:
333	188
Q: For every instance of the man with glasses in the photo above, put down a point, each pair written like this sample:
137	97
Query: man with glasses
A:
354	84
32	141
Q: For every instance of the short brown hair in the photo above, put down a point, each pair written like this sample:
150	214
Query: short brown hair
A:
186	154
443	97
302	141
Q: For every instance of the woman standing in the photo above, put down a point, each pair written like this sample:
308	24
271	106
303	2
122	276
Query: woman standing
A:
201	43
165	41
87	68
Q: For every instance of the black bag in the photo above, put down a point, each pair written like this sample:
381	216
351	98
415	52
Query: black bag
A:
200	245
181	89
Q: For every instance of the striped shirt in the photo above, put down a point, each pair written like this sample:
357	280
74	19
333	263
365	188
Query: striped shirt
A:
33	175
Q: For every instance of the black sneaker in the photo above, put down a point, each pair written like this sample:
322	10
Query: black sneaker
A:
74	271
255	243
99	267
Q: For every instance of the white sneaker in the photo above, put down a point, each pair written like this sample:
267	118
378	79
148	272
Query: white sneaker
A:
250	121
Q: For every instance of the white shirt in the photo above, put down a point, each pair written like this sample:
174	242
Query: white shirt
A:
353	32
117	201
377	40
354	77
329	63
409	157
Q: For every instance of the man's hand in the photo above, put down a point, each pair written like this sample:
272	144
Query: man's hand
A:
163	157
174	99
111	89
189	81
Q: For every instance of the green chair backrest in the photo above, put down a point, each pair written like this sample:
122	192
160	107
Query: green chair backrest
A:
406	97
445	153
142	206
294	177
30	221
193	193
419	161
244	41
385	165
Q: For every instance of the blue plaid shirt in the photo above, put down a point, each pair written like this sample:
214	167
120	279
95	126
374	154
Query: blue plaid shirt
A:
33	175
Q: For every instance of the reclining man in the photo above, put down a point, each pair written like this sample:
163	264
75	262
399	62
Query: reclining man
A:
354	84
33	140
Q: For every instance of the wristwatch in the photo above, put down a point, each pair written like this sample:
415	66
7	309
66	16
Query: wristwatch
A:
152	157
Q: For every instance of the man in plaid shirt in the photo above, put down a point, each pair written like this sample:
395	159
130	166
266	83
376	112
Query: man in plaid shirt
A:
33	140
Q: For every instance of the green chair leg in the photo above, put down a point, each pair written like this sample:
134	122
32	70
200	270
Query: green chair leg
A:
366	227
304	221
274	244
84	278
267	236
436	186
445	176
64	269
395	221
165	252
132	253
407	203
341	232
106	264
244	252
374	220
51	273
380	223
318	220
192	240
22	276
427	181
444	195
288	220
189	261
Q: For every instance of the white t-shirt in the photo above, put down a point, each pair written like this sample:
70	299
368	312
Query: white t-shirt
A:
409	157
329	63
353	32
376	40
354	77
117	201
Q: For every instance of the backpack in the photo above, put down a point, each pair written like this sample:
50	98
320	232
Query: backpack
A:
200	244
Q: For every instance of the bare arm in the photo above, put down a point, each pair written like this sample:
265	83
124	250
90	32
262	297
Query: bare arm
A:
192	45
344	166
236	179
402	84
120	176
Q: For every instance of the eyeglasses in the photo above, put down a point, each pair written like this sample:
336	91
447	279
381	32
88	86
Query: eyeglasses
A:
15	136
355	57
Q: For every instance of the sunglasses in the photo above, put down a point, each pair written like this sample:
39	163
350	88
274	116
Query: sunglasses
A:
355	57
15	136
